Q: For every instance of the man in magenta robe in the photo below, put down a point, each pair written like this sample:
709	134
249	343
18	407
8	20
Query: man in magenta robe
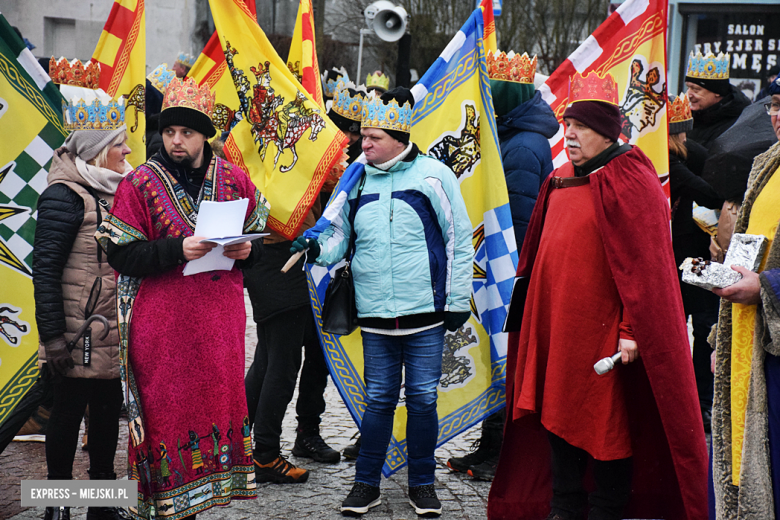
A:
182	337
601	280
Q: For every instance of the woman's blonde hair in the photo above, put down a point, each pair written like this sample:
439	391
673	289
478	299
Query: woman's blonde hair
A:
101	158
677	145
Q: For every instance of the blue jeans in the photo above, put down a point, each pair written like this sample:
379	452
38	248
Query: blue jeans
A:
384	357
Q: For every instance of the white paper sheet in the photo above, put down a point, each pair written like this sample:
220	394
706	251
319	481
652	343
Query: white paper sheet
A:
229	241
220	220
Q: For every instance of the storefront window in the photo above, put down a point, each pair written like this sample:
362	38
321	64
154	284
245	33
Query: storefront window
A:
750	34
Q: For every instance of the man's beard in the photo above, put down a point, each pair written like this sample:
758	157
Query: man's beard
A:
185	160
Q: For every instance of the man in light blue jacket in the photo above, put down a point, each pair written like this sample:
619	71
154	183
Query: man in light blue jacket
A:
412	270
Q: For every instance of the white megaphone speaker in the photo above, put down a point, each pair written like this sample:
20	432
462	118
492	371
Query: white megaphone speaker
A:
387	20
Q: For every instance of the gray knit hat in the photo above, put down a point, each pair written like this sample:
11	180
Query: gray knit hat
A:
87	144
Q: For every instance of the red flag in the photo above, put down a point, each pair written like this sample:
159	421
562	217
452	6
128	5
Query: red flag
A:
631	45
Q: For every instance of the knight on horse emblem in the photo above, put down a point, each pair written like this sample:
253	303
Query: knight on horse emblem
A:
273	120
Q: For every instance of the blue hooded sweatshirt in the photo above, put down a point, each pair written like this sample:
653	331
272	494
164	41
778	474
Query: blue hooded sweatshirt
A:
523	136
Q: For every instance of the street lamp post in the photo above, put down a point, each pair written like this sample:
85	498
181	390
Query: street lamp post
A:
363	32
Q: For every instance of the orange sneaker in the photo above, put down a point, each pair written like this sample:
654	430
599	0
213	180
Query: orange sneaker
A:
280	471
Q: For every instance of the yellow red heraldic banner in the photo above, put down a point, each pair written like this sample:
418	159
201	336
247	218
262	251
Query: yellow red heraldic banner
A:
121	52
489	35
211	69
630	45
284	140
302	59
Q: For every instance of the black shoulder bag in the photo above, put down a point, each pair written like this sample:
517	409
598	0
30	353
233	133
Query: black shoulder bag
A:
339	310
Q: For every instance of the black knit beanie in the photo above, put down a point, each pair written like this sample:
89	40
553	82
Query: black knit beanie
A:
343	124
602	118
401	96
183	116
718	86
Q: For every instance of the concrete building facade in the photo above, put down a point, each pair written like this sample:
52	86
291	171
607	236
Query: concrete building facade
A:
71	28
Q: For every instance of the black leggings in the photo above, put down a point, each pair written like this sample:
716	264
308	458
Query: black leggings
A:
612	478
71	396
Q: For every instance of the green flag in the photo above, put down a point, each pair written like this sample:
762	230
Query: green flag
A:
30	129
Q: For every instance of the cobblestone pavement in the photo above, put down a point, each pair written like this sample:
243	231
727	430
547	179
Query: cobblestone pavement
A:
462	497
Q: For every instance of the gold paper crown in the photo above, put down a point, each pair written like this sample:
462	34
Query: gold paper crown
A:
377	80
511	67
75	73
390	116
160	77
680	110
348	105
709	66
108	114
593	87
185	59
185	92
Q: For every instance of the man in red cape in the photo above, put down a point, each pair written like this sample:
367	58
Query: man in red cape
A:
601	279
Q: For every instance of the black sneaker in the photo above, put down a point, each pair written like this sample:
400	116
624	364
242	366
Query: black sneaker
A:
362	498
486	470
424	500
107	513
477	456
56	513
314	447
352	451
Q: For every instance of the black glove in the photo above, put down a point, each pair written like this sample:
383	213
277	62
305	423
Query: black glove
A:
454	320
302	244
57	355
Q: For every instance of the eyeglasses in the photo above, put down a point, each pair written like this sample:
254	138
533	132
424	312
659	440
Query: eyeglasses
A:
772	108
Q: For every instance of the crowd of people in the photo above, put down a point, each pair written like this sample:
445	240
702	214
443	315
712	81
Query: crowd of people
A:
597	278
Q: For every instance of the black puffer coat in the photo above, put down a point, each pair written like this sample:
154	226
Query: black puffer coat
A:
60	214
688	239
709	123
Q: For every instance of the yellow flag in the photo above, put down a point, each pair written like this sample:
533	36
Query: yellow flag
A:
302	59
121	52
284	141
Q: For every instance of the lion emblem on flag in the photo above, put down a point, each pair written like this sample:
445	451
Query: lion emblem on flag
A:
273	120
460	150
457	366
644	101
